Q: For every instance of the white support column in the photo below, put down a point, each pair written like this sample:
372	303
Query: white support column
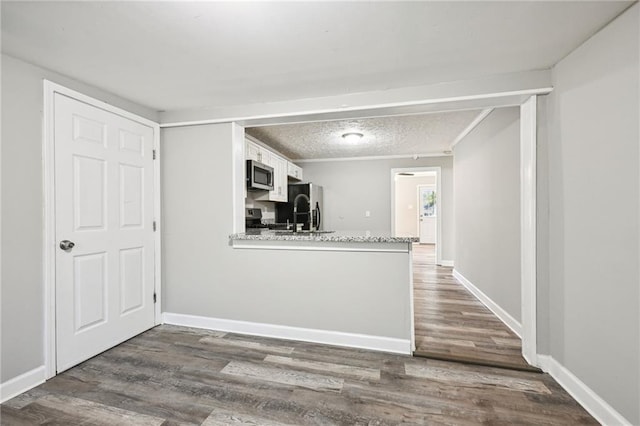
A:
528	227
238	179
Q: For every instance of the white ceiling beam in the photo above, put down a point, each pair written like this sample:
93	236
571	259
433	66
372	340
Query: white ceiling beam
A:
483	114
493	91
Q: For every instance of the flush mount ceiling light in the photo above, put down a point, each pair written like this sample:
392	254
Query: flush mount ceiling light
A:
352	137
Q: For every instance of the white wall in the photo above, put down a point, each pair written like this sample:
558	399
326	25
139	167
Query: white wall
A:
407	204
594	213
353	187
22	303
350	292
487	213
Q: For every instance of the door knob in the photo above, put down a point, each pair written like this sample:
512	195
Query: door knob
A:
66	245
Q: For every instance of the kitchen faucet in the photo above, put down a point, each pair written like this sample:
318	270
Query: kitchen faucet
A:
295	212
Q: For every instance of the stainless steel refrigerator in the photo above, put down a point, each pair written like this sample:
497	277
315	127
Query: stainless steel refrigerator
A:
308	212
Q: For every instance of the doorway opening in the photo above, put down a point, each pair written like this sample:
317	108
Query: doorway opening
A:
416	199
452	324
527	100
455	320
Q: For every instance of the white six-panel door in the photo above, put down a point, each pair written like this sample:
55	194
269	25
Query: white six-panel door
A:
104	195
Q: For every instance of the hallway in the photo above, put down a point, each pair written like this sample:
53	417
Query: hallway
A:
452	324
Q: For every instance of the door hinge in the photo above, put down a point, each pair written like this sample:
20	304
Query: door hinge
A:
154	154
154	226
155	298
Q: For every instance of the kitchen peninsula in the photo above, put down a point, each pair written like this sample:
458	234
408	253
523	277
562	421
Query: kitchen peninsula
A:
356	286
337	288
329	240
345	288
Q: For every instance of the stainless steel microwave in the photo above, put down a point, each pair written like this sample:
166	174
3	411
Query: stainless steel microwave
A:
259	176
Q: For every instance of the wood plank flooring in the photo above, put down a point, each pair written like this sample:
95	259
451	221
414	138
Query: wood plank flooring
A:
451	324
180	376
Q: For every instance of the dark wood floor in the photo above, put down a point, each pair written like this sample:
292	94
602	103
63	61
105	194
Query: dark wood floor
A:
180	376
452	324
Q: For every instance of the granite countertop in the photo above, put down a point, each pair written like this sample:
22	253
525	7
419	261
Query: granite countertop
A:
340	237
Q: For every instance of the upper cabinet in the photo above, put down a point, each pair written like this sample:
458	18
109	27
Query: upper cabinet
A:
294	171
253	151
256	152
280	187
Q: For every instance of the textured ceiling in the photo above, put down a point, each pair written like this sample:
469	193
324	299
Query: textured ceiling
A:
177	55
429	134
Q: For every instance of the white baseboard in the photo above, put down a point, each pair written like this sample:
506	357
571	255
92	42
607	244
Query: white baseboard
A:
337	338
504	316
446	263
22	383
590	401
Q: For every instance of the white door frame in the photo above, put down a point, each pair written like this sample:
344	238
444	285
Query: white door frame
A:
438	171
50	248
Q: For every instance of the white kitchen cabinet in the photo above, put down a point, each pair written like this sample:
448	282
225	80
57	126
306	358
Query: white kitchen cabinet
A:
253	151
280	186
279	165
294	171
